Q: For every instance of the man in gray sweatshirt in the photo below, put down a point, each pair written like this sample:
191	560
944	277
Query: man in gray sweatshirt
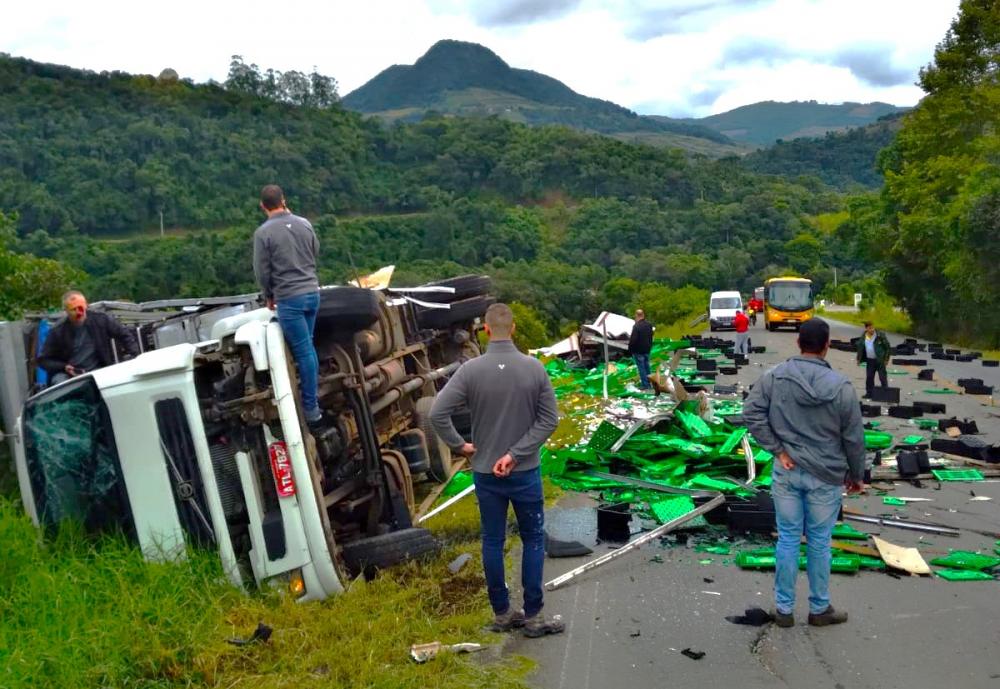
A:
807	415
285	249
513	412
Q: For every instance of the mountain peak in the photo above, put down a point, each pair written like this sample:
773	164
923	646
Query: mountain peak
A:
472	55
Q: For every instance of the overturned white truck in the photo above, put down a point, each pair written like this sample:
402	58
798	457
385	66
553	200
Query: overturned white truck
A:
200	440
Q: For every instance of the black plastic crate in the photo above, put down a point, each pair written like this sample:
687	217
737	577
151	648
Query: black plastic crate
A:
965	427
904	412
871	410
966	382
909	362
613	523
965	358
930	407
912	463
706	364
943	357
926	374
729	370
886	394
752	516
991	363
978	389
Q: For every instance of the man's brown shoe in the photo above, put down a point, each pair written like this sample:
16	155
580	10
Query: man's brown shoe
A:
539	625
828	617
506	622
783	620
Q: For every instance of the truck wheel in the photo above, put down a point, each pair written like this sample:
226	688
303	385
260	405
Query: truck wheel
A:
348	309
465	286
442	464
385	550
462	311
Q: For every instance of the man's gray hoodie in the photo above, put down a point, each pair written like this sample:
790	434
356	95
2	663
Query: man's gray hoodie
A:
810	411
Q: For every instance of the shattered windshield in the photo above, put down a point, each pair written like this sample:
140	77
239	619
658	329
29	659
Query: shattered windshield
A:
72	459
726	303
790	296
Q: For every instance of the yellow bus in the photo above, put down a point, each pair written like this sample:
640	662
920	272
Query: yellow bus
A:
787	302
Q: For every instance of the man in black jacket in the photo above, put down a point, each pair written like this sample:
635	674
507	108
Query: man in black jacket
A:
639	345
82	342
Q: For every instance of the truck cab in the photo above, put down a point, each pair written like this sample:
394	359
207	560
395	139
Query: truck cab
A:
203	444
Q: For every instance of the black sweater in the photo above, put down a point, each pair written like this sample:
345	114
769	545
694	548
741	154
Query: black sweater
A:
641	341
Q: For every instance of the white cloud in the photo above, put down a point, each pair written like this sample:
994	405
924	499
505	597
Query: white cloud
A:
680	57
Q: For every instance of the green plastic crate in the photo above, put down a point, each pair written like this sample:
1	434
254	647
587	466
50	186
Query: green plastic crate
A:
957	474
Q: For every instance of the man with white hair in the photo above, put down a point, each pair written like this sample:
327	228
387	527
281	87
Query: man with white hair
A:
82	342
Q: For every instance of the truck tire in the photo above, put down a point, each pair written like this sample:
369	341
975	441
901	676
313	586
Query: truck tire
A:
385	550
462	311
442	463
465	286
348	309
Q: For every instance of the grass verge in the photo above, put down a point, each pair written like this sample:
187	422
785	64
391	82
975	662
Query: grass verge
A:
884	316
82	614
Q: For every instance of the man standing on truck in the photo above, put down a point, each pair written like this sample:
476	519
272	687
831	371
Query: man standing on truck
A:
873	352
83	341
807	415
640	344
285	251
513	411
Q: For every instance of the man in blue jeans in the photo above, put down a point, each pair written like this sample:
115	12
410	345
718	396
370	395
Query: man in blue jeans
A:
807	415
285	250
514	412
640	344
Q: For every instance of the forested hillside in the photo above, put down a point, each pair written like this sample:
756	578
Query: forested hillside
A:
554	214
845	160
766	122
935	228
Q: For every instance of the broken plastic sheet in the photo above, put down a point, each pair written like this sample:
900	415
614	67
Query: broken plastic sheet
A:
964	559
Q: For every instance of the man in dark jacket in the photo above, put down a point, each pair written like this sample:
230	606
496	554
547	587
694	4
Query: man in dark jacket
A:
513	413
640	343
873	352
807	415
83	341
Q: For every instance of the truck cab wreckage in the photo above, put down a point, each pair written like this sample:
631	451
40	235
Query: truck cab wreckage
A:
200	441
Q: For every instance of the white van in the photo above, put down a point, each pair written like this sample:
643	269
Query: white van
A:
722	308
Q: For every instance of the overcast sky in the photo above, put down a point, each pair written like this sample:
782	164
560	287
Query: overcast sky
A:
669	57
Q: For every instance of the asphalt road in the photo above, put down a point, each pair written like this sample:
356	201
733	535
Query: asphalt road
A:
628	621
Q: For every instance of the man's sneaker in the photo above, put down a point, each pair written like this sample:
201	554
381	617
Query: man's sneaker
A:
828	617
784	619
509	620
538	625
321	423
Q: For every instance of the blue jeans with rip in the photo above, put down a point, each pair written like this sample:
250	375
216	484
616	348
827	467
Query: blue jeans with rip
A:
803	502
297	316
642	363
523	490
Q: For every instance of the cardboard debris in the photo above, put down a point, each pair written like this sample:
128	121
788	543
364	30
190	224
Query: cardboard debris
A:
907	559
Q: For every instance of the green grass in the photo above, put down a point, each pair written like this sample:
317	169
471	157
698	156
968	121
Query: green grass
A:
82	614
884	315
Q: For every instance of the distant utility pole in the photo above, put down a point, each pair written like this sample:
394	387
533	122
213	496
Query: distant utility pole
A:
161	222
835	277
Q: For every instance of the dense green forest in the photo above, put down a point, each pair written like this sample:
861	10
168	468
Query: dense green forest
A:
553	214
845	160
935	227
